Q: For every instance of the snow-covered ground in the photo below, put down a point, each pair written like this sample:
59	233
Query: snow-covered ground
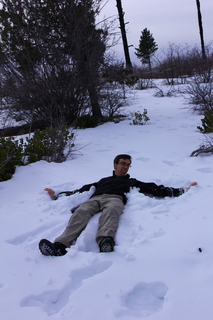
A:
157	271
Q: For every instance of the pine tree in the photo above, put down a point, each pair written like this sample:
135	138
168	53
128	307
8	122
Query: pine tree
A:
147	47
54	52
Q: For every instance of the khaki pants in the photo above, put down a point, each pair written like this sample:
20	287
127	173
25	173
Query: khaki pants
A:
111	206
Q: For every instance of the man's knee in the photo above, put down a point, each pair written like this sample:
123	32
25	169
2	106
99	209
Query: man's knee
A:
116	207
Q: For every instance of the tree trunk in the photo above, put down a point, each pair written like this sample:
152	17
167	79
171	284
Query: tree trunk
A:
123	33
96	110
150	66
201	29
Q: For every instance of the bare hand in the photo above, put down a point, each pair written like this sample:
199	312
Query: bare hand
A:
51	192
191	184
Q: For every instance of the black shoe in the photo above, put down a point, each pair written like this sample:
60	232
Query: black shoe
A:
107	244
48	248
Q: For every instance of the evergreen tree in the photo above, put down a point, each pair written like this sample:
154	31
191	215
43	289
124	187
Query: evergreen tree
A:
53	52
147	47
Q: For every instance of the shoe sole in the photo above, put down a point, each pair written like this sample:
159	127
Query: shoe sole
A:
106	248
47	248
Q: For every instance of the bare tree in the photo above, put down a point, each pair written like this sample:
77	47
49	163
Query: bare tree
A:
123	33
201	29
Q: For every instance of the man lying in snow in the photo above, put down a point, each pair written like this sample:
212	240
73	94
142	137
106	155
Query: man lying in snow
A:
109	197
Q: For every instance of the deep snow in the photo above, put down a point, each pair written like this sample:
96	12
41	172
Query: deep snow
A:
157	271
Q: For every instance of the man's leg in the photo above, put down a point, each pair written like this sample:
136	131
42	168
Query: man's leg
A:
75	226
78	221
111	206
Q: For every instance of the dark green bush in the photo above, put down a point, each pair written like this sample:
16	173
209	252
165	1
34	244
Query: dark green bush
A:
11	153
207	123
140	118
86	121
51	144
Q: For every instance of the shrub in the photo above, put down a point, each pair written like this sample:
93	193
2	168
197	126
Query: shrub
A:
112	103
169	93
201	95
207	123
86	121
140	118
143	84
49	145
205	147
11	153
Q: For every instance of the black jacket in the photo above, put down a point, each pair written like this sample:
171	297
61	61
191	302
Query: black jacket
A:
121	186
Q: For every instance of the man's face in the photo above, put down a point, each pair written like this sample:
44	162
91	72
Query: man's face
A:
122	167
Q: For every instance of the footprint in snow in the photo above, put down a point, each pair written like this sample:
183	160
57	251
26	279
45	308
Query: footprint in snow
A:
144	299
205	170
169	163
143	159
34	234
52	301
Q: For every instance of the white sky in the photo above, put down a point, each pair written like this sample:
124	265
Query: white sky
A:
170	21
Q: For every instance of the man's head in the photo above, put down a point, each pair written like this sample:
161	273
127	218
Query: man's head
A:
122	163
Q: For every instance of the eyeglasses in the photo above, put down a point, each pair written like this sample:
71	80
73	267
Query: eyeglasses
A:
125	164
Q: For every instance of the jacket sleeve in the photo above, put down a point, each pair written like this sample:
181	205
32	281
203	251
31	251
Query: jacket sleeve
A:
158	191
86	187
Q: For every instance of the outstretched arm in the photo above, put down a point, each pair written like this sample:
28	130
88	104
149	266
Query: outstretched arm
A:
53	196
50	192
162	191
191	184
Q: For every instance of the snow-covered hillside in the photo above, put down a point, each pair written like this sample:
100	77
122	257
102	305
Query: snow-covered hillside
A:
161	268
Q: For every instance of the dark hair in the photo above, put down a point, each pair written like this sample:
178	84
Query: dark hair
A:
122	156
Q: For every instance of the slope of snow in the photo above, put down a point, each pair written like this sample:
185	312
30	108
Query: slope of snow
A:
157	270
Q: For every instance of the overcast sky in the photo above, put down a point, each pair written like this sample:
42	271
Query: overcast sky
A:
170	21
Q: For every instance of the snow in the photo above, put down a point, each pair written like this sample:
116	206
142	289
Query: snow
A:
162	264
